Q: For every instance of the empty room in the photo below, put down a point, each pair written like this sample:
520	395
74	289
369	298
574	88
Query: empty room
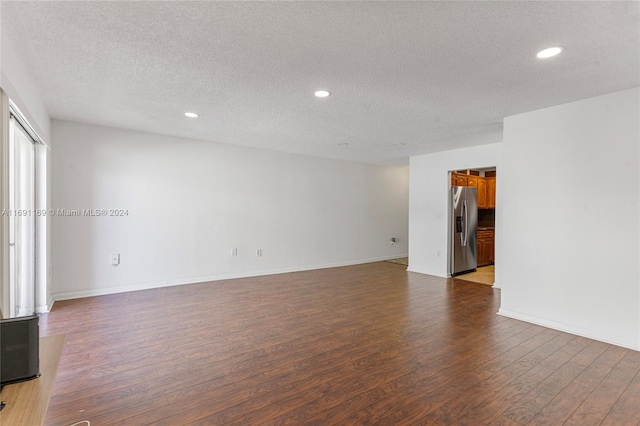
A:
319	212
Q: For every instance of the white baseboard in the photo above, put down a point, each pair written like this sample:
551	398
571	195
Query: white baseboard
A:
193	280
568	328
43	309
426	272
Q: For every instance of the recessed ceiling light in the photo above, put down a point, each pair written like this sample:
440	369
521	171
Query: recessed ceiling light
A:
548	53
322	93
191	114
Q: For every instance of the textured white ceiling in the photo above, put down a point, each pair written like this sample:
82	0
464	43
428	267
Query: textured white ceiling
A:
406	77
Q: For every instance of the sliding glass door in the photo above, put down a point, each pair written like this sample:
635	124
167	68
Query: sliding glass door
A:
22	204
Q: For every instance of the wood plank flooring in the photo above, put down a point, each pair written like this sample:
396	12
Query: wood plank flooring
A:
27	402
360	345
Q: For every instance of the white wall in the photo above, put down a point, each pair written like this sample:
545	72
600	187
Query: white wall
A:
190	202
17	84
15	81
429	204
571	218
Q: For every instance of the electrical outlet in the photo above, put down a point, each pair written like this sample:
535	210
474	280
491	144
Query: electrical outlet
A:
259	252
234	252
115	259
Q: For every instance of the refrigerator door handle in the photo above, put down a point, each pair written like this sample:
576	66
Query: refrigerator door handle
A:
463	235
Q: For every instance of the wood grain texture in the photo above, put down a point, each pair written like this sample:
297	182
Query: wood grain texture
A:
27	402
482	275
358	345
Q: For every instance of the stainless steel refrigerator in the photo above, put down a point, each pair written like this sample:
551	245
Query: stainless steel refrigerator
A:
464	225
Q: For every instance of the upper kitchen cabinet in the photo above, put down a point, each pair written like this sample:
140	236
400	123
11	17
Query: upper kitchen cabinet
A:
458	179
465	178
491	192
482	193
486	185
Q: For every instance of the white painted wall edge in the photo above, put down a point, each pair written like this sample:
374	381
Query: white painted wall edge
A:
567	328
426	272
43	309
195	280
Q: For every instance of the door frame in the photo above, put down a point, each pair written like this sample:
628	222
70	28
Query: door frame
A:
449	213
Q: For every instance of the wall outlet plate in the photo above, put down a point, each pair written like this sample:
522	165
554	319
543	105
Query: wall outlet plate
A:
115	259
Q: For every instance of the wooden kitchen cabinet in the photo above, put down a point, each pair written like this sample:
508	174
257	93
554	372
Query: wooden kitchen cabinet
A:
491	192
482	193
486	246
486	187
458	179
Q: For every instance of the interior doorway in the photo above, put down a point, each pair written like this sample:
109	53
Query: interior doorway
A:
483	230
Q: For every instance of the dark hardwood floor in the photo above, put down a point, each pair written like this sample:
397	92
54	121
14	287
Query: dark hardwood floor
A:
359	345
